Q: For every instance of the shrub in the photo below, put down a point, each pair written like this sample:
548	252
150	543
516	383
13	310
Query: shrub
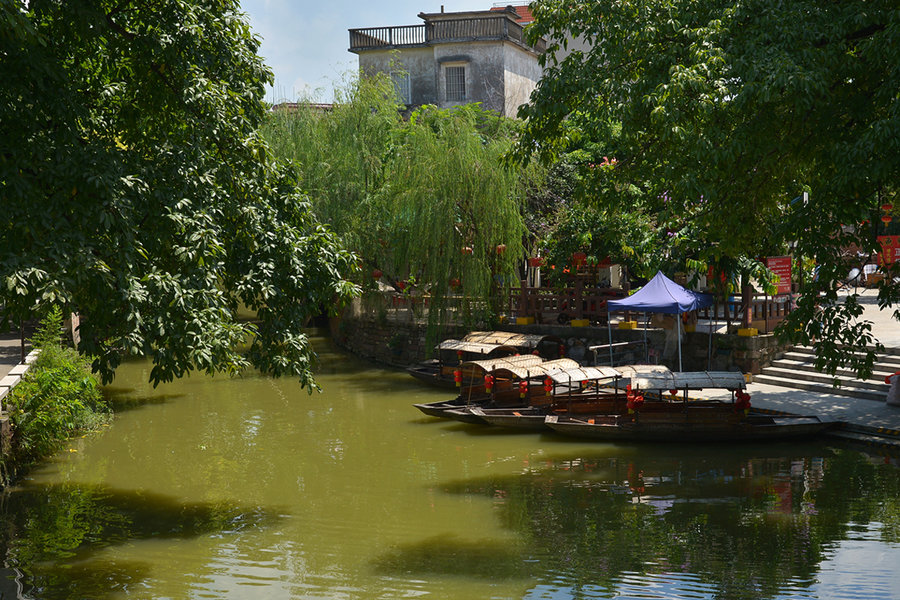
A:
57	397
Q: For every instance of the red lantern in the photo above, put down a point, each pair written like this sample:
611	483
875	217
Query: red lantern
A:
535	261
457	377
376	274
673	392
501	248
887	206
401	285
578	258
488	383
467	250
523	388
548	385
454	283
743	401
886	218
634	401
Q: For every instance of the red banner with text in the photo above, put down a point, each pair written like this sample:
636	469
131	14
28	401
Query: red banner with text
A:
781	266
890	249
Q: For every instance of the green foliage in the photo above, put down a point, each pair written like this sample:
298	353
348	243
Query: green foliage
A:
721	113
410	195
57	396
339	156
626	237
137	191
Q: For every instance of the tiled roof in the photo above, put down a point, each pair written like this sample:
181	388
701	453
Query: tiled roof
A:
523	13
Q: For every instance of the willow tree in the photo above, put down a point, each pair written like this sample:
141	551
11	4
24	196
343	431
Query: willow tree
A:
426	199
451	209
339	152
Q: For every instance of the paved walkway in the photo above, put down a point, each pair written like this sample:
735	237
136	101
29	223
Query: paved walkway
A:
10	352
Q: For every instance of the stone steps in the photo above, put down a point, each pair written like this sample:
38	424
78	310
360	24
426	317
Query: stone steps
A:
796	369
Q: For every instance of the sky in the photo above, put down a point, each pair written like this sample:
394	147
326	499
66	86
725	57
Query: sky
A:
305	43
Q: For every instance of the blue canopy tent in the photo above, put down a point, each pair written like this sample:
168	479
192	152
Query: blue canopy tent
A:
661	295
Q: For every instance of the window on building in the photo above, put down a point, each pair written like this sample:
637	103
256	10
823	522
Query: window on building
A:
455	79
401	85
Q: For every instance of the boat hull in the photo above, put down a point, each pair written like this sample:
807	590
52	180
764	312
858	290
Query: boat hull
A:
753	428
440	409
466	414
432	376
524	419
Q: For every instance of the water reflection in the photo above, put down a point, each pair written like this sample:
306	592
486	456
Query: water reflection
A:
45	527
742	527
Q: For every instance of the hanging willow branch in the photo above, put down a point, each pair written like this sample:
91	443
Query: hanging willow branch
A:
450	203
428	198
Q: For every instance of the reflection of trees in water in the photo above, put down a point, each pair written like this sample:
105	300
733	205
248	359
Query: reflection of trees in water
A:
54	534
747	526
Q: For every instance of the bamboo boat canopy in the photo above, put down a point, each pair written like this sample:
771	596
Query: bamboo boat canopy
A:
632	371
695	380
508	338
583	374
543	369
509	362
473	347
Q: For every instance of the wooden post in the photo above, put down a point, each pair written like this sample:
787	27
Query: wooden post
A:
579	299
523	303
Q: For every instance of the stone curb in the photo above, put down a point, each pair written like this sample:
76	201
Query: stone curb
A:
15	376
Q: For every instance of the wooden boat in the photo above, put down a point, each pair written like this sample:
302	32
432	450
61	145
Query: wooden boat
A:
670	420
482	345
578	390
431	372
441	408
472	389
505	392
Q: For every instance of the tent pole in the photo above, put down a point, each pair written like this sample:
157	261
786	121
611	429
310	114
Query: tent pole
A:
709	332
646	347
678	325
609	330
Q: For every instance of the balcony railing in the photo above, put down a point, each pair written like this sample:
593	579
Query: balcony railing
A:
449	30
387	37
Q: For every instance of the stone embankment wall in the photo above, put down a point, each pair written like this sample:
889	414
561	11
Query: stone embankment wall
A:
401	342
397	340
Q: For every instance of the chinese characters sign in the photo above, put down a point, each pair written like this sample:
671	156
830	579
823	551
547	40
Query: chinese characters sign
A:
781	266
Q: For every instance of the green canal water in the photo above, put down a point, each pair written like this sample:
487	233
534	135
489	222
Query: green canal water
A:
251	488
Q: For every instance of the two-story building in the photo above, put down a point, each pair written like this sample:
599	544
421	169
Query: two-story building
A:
455	58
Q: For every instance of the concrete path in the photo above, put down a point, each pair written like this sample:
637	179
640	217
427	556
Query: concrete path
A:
10	352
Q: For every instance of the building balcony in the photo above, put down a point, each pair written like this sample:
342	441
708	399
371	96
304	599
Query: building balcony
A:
476	29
